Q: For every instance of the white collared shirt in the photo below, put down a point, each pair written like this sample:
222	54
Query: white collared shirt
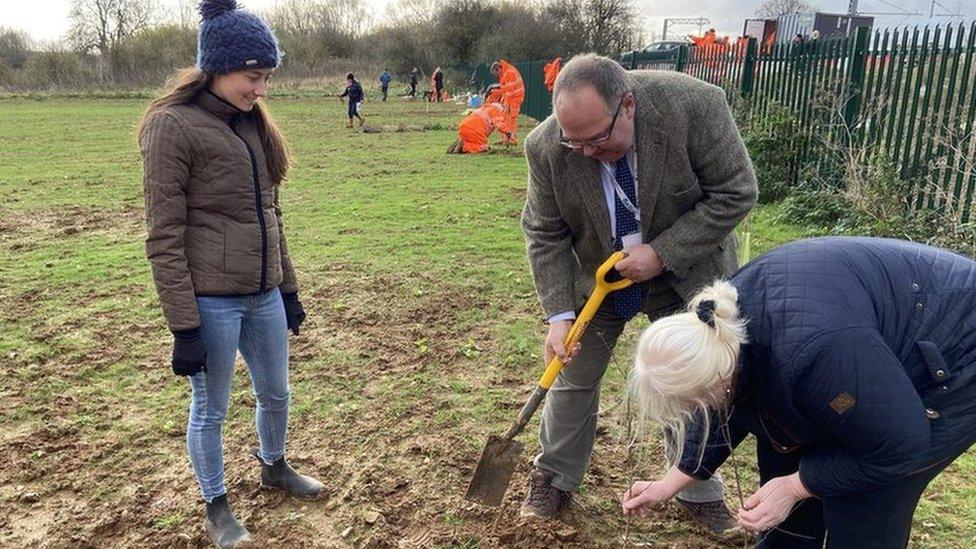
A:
608	174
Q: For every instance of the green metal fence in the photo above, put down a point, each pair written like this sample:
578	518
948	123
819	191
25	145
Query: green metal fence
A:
908	94
538	100
905	93
479	75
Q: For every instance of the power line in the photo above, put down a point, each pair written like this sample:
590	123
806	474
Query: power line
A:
947	14
853	9
672	21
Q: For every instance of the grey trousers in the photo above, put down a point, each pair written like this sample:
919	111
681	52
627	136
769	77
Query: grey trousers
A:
568	426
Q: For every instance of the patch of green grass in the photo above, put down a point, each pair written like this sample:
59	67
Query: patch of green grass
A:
169	521
451	520
103	491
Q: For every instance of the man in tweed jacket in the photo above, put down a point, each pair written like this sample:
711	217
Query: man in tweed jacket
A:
650	162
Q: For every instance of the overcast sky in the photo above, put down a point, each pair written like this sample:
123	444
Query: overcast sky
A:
47	20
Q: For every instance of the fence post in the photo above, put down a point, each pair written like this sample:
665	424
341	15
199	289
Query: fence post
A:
682	60
633	60
749	67
855	91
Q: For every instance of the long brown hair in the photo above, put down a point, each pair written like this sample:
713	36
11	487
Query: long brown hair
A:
184	85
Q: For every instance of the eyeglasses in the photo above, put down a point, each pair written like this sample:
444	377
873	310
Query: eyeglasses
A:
576	145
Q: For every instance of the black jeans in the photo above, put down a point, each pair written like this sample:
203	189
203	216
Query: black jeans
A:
879	519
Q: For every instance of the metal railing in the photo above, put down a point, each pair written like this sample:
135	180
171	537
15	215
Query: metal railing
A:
908	94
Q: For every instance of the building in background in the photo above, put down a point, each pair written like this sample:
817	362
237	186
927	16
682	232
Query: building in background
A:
828	25
763	30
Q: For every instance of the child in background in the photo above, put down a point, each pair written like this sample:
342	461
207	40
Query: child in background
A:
356	97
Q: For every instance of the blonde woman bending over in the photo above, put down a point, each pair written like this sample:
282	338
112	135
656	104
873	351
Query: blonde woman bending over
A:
852	361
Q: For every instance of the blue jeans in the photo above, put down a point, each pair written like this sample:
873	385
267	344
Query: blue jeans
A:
256	326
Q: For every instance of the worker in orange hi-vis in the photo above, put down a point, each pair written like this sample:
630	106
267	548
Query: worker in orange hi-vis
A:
706	39
474	129
513	93
769	42
741	45
551	71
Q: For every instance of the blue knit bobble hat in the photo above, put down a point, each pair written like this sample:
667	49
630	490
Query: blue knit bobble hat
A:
230	39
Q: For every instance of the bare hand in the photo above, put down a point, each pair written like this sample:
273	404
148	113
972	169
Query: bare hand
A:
643	496
772	503
642	263
555	342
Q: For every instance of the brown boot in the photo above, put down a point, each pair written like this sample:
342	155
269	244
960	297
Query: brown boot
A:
714	515
544	501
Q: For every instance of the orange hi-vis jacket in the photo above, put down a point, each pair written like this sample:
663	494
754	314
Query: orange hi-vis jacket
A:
551	71
475	128
513	93
706	39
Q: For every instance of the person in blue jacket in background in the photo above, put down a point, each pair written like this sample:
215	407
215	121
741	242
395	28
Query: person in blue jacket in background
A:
385	79
852	361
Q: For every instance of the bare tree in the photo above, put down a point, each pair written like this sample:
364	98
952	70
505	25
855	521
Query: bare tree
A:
774	8
185	14
311	32
308	17
99	25
420	14
603	26
613	25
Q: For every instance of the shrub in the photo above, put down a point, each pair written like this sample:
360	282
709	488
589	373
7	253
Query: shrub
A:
774	141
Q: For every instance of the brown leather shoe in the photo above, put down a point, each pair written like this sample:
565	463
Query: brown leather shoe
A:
544	501
714	515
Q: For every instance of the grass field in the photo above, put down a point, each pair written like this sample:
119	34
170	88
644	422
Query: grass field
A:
423	337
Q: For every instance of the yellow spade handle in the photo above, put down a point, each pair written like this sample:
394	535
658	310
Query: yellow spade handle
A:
600	291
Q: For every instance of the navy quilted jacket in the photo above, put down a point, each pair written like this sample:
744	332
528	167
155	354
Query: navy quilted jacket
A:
862	357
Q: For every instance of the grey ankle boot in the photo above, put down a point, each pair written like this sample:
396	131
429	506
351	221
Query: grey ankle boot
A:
281	476
221	525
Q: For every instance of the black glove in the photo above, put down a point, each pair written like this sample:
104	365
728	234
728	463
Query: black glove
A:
294	312
189	354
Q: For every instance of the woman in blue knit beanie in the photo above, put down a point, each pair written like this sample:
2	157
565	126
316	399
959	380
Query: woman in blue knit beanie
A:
213	162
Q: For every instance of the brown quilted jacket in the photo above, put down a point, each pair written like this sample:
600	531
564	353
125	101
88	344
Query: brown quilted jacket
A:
212	214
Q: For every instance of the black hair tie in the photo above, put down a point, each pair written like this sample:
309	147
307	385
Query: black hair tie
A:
706	312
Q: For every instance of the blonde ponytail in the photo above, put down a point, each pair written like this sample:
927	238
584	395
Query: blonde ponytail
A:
684	363
728	328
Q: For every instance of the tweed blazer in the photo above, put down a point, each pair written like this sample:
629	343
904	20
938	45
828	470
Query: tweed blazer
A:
695	184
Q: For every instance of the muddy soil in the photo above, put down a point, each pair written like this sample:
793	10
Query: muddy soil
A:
92	465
